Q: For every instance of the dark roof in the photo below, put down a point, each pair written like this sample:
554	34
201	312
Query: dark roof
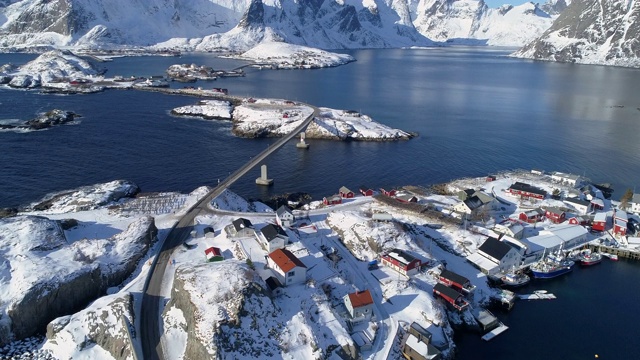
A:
273	283
364	188
208	229
577	201
241	223
282	210
445	290
494	248
473	202
271	231
402	256
456	278
528	188
555	210
419	331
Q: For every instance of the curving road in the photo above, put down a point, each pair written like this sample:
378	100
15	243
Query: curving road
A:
153	300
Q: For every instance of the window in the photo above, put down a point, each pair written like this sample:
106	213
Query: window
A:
291	273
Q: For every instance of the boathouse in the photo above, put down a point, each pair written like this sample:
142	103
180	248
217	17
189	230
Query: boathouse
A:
600	221
583	220
284	216
597	204
407	198
287	268
532	216
365	191
346	193
359	304
455	281
401	261
213	254
555	215
451	296
555	237
332	200
524	190
391	192
620	220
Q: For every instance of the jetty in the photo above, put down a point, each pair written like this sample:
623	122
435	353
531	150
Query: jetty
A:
488	321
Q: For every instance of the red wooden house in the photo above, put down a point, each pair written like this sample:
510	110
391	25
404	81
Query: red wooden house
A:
526	191
401	262
531	216
555	215
600	221
391	192
455	281
332	200
579	220
452	297
620	220
346	193
213	254
365	191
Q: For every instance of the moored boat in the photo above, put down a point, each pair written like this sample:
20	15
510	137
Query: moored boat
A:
547	269
589	258
613	257
515	279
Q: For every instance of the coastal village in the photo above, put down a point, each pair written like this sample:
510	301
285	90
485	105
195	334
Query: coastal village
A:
362	273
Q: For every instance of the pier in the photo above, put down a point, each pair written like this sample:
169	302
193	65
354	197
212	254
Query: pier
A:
621	252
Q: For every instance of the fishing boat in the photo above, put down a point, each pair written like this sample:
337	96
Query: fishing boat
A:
589	258
552	266
515	279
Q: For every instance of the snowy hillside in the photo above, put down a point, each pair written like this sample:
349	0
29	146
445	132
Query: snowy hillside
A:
44	274
591	32
224	25
288	56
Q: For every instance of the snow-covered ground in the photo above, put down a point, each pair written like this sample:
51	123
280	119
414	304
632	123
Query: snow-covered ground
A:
281	55
228	309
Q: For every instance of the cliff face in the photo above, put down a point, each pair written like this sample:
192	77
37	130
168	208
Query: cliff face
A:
591	32
104	324
50	278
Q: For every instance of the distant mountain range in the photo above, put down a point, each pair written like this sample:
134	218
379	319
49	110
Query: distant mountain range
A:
241	24
589	31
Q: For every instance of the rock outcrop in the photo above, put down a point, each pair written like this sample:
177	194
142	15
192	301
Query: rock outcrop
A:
49	119
51	279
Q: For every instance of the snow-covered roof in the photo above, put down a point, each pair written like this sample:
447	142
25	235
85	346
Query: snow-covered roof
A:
600	216
482	262
565	175
417	345
635	199
557	235
402	256
621	215
344	190
576	201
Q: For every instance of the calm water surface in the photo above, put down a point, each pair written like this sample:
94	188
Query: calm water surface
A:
476	110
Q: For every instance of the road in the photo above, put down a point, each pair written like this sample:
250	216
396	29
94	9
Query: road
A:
153	299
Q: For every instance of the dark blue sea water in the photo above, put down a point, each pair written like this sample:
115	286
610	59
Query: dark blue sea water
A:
476	110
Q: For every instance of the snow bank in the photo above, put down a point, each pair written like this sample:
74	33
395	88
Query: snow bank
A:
86	197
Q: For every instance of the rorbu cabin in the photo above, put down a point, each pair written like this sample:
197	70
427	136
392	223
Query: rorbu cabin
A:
450	296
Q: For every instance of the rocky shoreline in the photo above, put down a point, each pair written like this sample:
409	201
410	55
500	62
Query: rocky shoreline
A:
47	120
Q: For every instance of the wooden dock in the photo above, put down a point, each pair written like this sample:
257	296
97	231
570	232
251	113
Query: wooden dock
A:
495	332
621	252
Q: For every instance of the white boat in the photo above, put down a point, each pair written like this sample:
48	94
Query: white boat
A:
515	279
613	257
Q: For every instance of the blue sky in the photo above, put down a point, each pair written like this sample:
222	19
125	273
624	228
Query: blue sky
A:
497	3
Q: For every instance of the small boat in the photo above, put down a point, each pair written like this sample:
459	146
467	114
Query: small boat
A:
589	258
515	279
613	257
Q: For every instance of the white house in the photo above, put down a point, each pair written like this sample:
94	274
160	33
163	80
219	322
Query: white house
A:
468	205
581	206
510	228
359	305
240	227
272	237
495	256
284	216
634	204
567	179
287	268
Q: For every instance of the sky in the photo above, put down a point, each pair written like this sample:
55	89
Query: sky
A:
498	3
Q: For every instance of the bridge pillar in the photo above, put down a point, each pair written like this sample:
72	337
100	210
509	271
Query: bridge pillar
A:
302	144
263	179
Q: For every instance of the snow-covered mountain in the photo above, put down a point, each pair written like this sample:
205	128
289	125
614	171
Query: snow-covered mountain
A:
238	25
465	20
591	32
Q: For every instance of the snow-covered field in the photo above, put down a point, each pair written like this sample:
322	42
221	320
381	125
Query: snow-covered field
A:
281	55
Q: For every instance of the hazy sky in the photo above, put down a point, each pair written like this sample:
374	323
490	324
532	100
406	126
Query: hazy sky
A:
497	3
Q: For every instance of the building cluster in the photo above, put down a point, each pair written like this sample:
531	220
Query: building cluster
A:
346	193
